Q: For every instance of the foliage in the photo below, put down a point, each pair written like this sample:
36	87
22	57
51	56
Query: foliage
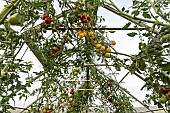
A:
74	49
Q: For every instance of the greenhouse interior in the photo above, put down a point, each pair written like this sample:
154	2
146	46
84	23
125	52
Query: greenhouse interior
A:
85	56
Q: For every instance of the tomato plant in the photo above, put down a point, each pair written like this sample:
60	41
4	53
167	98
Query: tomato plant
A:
71	80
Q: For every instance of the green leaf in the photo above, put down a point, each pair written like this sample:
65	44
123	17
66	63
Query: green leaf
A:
135	13
112	31
166	67
146	15
123	9
132	34
127	11
127	25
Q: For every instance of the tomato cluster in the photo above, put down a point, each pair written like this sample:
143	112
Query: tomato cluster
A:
165	95
72	105
46	109
84	18
47	19
72	92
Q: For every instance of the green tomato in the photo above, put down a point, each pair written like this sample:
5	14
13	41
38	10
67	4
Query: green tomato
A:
98	50
165	38
73	70
163	99
75	73
46	107
54	89
78	69
54	93
68	39
70	99
55	68
15	19
65	36
44	110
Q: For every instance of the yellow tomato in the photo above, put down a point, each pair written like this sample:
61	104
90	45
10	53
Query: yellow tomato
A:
79	32
82	3
107	55
85	27
85	34
90	33
98	46
81	35
93	41
113	42
102	37
102	48
108	50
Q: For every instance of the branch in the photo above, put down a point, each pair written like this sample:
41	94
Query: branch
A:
157	12
134	20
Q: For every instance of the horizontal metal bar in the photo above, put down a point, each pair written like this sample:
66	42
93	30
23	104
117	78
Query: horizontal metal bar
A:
95	65
107	28
76	80
85	89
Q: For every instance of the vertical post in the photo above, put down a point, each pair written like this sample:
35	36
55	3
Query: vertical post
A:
87	86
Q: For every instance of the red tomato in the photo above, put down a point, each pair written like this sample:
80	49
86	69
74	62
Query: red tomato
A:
109	99
72	105
61	25
168	94
65	91
88	17
48	20
109	84
55	49
48	111
52	55
72	91
60	106
45	16
84	20
163	90
82	16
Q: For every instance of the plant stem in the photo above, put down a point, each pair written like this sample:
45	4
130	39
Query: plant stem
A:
122	54
157	12
134	20
113	4
140	19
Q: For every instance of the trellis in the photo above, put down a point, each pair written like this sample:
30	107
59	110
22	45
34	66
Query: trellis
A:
39	55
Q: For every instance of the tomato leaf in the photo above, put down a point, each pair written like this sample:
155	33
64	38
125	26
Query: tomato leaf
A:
112	31
166	67
146	15
132	34
127	25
